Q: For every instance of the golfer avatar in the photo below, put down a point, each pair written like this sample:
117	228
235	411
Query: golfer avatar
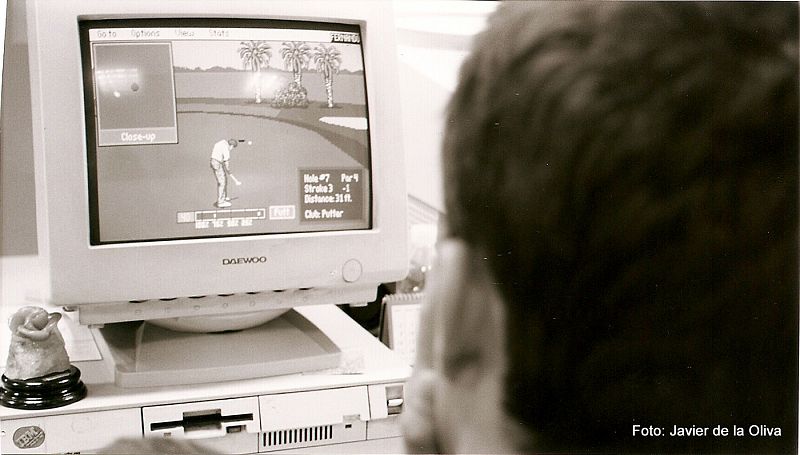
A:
220	158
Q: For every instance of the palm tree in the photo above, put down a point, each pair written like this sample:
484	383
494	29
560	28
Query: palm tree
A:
296	55
255	55
327	59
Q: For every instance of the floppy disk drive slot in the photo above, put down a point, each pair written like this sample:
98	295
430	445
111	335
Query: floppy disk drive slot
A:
203	420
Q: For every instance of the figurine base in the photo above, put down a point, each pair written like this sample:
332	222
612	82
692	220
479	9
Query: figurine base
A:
45	392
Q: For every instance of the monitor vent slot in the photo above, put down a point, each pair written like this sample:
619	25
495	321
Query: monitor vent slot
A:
298	436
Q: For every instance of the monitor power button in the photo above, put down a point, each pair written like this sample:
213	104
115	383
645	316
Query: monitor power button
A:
351	271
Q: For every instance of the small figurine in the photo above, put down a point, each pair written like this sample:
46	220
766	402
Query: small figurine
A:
38	373
37	347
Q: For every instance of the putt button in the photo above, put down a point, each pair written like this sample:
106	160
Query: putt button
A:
351	271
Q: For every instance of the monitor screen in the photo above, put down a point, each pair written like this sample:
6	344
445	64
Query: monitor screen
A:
199	128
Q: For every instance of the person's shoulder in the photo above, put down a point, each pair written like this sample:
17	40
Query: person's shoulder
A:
221	145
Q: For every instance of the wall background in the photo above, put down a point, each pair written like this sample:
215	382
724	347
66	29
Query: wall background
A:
17	197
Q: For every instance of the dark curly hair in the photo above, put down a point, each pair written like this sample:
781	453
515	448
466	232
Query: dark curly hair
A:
629	171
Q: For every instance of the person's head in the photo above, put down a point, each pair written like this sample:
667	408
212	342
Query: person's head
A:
232	143
627	173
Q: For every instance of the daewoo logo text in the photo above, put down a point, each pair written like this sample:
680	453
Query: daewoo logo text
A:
251	260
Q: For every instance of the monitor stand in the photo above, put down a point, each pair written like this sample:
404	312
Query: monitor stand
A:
147	355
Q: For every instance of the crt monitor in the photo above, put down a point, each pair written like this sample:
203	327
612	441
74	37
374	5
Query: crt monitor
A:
215	161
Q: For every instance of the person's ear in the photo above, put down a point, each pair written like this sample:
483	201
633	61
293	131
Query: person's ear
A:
456	393
469	313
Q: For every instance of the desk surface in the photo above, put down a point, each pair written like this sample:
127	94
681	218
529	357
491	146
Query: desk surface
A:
364	359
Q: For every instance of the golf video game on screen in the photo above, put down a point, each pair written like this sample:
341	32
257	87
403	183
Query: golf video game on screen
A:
219	131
